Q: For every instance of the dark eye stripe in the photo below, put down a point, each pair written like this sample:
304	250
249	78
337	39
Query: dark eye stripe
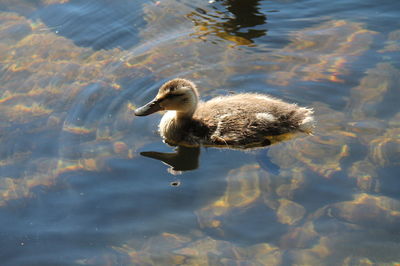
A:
169	96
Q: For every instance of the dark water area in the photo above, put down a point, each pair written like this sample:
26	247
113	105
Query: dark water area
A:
83	181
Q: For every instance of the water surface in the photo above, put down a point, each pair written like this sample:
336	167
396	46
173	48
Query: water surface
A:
74	189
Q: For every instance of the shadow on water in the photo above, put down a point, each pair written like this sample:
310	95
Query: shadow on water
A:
98	24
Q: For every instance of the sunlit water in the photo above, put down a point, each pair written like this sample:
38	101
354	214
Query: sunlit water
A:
74	189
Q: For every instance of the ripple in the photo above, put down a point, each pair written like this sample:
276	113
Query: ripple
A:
97	24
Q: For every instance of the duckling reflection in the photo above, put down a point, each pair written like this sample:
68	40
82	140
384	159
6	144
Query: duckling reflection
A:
183	159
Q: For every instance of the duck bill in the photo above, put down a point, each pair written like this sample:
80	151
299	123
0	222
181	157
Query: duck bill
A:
151	107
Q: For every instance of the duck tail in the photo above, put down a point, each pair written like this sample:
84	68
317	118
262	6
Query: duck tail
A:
307	125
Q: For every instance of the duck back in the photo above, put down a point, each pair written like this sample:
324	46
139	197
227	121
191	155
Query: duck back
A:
249	118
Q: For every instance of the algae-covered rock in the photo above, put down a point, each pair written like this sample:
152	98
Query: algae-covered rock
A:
366	175
392	44
296	182
157	249
26	7
290	212
322	52
357	261
303	236
262	254
303	257
175	249
369	211
321	152
54	91
367	98
242	190
367	129
228	216
385	150
43	172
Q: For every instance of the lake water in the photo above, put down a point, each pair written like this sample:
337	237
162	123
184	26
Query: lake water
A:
75	189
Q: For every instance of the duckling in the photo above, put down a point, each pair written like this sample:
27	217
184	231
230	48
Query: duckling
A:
238	121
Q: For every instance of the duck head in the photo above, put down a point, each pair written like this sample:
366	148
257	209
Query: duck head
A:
179	95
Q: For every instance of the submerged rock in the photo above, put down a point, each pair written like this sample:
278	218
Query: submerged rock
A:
228	216
367	99
368	211
385	150
366	176
175	249
334	44
322	152
53	90
392	44
242	190
290	212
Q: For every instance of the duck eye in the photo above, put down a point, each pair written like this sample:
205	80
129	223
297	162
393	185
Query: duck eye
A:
172	88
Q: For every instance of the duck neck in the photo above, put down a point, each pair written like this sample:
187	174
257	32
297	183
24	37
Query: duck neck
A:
188	112
182	116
